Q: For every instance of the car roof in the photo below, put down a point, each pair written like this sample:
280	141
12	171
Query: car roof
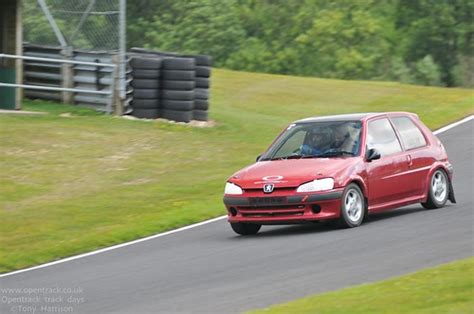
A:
350	117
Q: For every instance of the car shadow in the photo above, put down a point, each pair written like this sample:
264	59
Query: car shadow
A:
295	230
317	227
393	213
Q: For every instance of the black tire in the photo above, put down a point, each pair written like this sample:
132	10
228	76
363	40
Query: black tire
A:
146	63
203	71
179	64
439	201
138	103
145	74
150	52
202	82
180	105
175	115
201	93
201	104
179	75
145	83
178	85
151	93
245	228
352	217
177	94
200	115
201	59
145	113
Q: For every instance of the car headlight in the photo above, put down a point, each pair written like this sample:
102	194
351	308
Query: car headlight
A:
231	188
316	185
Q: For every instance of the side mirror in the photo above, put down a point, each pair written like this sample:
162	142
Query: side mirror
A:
258	157
372	154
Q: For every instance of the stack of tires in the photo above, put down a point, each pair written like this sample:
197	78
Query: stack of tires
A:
177	89
146	74
201	96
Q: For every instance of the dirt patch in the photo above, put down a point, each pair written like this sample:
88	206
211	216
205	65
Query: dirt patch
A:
193	123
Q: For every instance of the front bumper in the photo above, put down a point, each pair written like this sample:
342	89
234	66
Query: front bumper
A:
284	207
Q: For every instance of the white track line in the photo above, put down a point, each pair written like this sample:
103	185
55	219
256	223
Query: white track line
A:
443	129
452	125
114	247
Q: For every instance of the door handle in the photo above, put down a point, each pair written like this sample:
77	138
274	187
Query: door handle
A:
410	161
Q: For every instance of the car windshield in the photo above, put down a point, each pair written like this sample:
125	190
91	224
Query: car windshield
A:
316	140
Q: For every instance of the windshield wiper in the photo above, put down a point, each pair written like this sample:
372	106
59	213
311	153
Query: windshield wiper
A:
312	156
337	153
292	156
326	154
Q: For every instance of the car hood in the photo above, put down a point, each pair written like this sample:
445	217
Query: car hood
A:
291	172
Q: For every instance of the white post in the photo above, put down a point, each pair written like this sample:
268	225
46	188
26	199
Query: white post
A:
19	51
122	54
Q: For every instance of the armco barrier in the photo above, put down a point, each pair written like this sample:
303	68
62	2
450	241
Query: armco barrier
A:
86	77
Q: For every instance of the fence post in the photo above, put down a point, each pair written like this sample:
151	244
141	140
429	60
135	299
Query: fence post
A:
116	86
19	51
67	76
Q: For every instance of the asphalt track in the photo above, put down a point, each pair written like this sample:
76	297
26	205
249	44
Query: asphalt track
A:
209	269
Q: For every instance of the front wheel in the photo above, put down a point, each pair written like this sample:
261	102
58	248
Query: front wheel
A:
438	192
245	228
352	207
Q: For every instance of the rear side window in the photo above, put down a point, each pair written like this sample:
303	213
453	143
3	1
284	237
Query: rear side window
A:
410	134
381	136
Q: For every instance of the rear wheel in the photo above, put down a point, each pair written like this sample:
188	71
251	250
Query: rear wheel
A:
245	228
352	207
438	192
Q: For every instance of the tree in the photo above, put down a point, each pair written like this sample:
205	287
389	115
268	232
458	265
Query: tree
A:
345	40
205	26
442	29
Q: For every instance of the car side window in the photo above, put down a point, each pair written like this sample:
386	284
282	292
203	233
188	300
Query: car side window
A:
382	137
410	134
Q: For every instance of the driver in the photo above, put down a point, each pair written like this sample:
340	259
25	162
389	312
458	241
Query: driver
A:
315	143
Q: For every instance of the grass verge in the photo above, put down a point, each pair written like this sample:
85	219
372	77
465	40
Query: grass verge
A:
75	182
447	288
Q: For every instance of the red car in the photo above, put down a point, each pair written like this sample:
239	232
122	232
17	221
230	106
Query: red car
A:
340	168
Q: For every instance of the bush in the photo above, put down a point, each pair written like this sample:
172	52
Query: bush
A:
427	72
400	71
463	72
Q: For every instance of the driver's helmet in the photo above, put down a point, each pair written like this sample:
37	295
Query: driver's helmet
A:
318	137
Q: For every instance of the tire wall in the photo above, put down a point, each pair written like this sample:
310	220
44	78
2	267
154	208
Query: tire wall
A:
145	82
169	85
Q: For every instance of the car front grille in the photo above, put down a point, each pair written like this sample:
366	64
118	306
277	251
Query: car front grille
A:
267	201
270	206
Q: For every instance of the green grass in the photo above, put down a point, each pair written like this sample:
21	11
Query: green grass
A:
74	184
447	288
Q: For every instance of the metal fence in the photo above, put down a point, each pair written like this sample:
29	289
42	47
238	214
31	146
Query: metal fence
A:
82	24
84	30
84	77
